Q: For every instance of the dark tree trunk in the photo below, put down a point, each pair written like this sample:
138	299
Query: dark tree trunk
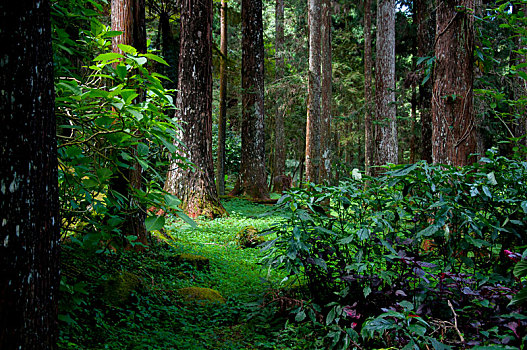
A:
222	118
128	16
386	128
425	22
29	229
453	134
169	50
195	186
326	97
279	144
253	178
314	94
368	130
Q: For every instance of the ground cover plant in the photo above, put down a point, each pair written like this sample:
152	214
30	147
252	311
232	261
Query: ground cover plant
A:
401	261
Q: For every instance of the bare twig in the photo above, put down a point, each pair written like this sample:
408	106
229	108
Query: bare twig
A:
455	322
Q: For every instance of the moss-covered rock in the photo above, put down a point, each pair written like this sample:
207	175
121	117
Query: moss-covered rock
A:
248	237
118	289
198	294
199	262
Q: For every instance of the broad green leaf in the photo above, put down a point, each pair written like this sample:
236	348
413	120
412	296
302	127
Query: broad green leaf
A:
186	219
520	270
300	316
108	56
172	201
154	223
492	178
430	230
128	49
139	60
331	316
524	206
155	58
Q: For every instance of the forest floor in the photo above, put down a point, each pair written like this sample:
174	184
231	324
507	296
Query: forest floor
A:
134	301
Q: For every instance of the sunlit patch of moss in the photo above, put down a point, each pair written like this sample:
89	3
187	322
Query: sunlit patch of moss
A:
118	289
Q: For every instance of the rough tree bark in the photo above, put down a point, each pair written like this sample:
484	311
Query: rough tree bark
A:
368	130
453	133
314	94
279	144
253	179
425	22
128	16
326	96
386	127
195	186
222	118
29	204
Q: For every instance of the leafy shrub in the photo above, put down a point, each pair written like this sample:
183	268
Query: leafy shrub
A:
421	235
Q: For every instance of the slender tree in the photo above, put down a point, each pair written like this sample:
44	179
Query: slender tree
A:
29	229
194	186
326	92
368	130
453	133
279	145
386	127
128	17
314	94
252	181
222	118
425	22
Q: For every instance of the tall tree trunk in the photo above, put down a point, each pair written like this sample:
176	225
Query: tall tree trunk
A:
326	97
453	134
169	50
386	128
368	130
195	186
222	118
29	203
313	99
425	22
128	16
252	181
279	145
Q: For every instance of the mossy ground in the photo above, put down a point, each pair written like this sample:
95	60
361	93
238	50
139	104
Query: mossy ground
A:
156	316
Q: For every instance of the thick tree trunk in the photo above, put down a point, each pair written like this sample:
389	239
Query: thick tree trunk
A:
386	128
368	130
453	134
128	16
326	97
29	203
314	95
425	22
253	178
279	144
222	118
195	186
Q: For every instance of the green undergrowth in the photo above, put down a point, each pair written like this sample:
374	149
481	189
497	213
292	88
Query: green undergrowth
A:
103	306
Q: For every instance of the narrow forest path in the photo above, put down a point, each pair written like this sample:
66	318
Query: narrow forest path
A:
159	300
